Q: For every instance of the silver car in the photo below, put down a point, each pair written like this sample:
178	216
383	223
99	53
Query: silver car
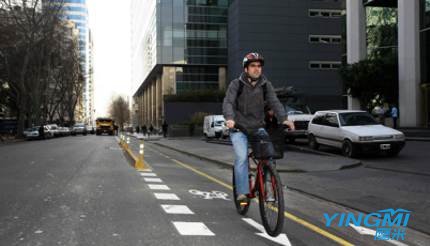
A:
79	128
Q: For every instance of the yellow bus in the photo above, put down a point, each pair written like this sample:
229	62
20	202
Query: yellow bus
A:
104	125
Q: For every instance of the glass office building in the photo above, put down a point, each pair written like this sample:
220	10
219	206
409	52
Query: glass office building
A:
182	43
77	12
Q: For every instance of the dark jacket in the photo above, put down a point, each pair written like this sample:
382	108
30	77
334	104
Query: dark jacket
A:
271	122
249	112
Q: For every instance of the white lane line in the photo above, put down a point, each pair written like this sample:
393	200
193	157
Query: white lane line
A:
192	228
148	174
281	239
153	180
158	187
176	209
166	196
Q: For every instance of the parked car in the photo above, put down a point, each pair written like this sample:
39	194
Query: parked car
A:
53	130
354	132
79	128
64	131
33	133
301	115
214	126
91	130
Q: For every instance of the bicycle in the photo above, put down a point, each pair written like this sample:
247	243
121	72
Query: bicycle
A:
265	174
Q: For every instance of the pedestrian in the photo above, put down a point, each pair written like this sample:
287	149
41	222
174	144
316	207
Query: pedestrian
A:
379	112
165	127
151	129
115	129
137	129
41	132
394	113
144	130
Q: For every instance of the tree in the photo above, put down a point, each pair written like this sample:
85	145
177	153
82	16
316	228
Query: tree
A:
372	78
39	61
119	111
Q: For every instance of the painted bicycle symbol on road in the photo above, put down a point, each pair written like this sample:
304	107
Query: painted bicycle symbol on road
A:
209	195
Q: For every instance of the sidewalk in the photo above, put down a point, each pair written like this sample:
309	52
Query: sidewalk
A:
416	134
7	141
294	161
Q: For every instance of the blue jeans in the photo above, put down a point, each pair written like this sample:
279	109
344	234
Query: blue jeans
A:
240	146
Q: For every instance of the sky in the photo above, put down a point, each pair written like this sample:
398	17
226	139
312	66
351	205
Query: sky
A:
110	25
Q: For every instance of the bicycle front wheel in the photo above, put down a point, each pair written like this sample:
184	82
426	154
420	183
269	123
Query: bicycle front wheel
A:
271	201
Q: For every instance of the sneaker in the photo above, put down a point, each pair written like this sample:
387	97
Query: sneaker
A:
242	198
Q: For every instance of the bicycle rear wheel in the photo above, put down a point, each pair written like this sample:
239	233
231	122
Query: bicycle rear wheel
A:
271	210
241	209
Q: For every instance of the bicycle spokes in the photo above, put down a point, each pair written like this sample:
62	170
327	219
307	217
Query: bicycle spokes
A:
271	202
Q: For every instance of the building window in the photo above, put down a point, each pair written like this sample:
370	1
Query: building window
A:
325	13
325	39
324	65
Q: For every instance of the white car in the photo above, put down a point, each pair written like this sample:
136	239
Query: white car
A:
354	132
214	126
300	115
79	128
33	133
53	130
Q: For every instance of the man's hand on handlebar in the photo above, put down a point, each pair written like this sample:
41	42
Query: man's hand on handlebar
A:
290	125
230	124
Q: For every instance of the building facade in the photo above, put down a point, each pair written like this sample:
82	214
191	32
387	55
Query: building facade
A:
301	41
77	12
178	46
413	21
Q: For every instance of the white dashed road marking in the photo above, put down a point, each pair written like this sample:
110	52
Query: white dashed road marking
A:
158	187
192	228
153	180
148	174
176	209
166	196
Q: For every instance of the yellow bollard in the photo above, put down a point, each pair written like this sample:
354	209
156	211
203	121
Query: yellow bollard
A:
128	142
140	163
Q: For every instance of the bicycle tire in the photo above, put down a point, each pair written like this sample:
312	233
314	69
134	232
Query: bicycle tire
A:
241	209
273	224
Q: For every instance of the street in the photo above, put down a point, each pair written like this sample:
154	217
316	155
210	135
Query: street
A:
83	191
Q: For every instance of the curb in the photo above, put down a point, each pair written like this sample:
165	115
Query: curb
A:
230	165
418	139
288	146
309	151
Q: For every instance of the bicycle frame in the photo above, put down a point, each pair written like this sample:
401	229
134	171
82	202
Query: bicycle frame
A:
259	179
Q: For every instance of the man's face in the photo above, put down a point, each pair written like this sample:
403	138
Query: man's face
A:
254	70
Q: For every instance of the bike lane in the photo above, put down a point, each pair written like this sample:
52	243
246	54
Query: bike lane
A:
206	198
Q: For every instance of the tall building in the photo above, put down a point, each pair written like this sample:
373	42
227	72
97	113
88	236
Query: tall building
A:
301	41
91	100
413	21
77	12
177	46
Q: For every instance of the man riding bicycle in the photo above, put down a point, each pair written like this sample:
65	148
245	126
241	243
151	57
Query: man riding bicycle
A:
244	105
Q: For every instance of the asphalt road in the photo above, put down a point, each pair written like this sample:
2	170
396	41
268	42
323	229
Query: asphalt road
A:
83	191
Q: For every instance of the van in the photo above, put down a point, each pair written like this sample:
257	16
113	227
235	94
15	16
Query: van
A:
214	126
